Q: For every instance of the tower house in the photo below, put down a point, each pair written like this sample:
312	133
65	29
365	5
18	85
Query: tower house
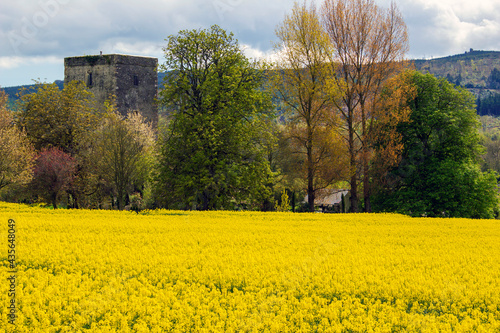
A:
133	80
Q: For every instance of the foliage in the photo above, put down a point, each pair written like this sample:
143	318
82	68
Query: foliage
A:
54	172
284	205
300	80
494	79
17	155
369	44
385	137
439	174
474	69
63	118
177	271
213	150
490	138
489	104
56	118
121	153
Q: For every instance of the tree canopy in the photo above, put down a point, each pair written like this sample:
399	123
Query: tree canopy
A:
212	154
439	173
53	174
121	152
17	153
369	44
301	81
55	118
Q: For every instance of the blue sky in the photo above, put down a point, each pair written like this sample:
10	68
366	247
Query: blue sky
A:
36	35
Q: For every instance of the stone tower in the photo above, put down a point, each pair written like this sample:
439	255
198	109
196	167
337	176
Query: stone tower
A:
132	80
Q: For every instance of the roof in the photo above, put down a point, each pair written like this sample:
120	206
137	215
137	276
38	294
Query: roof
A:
328	196
108	59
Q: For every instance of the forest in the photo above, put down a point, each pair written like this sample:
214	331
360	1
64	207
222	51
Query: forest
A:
339	108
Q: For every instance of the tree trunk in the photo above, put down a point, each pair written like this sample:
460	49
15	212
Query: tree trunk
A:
354	191
310	188
353	169
120	199
310	198
366	191
366	167
310	170
54	200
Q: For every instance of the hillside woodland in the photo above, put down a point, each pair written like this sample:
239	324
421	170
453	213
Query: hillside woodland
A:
477	71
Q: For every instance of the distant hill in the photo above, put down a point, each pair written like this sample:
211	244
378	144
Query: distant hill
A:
470	69
13	92
477	71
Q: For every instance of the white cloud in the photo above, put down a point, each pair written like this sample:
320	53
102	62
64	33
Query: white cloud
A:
448	27
10	62
49	29
16	61
257	54
131	47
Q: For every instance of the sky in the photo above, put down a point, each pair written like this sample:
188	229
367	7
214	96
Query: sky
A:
36	35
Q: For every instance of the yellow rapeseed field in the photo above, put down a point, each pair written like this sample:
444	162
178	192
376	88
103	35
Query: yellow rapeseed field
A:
176	271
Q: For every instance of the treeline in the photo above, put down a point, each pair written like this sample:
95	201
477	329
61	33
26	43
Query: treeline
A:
488	101
338	108
489	105
60	145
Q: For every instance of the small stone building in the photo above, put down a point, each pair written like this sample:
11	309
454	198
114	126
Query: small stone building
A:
330	200
132	80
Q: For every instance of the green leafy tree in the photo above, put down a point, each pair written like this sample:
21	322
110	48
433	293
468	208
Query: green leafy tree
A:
212	151
284	206
439	173
56	118
491	141
494	79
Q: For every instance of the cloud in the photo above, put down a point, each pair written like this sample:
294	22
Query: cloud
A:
439	28
54	26
14	62
17	70
48	29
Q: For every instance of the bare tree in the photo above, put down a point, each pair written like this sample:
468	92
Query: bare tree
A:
123	152
369	44
300	81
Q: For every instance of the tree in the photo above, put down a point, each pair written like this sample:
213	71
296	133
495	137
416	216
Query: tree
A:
122	152
369	44
212	154
55	118
491	141
301	82
17	154
385	137
62	119
54	172
439	173
493	81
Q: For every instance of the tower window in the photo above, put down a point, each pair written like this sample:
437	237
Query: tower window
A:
136	80
89	79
